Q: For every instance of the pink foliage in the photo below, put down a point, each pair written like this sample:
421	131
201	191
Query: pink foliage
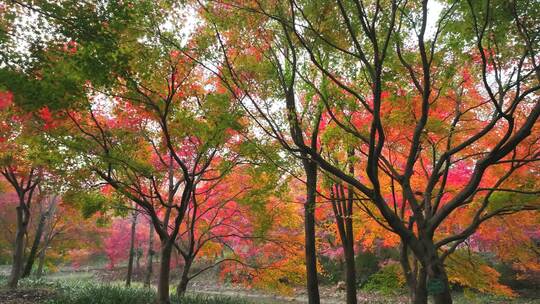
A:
117	243
459	174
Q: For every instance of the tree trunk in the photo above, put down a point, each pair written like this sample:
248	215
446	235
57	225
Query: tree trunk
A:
432	275
18	250
419	292
309	229
437	277
49	235
131	249
415	278
350	274
342	205
41	262
150	257
342	208
35	245
184	280
164	272
138	260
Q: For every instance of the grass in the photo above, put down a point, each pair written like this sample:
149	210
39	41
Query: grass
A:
97	293
87	291
478	298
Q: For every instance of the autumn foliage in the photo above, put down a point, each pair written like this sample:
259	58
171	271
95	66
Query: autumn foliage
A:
274	144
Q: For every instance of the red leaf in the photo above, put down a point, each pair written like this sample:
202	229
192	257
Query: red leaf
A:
6	99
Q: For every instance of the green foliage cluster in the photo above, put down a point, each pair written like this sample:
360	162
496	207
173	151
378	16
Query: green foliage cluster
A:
366	263
505	200
387	280
332	270
92	202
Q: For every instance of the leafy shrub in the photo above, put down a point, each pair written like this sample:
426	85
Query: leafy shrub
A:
474	271
367	263
332	270
388	280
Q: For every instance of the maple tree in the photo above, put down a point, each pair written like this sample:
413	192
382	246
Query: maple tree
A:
22	172
394	105
189	130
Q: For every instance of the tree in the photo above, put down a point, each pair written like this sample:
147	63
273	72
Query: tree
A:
166	108
134	216
412	123
150	257
46	209
48	229
343	208
233	79
22	174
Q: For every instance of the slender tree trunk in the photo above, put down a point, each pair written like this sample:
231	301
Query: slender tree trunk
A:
342	208
164	272
138	260
18	250
35	245
310	168
349	240
131	248
184	280
47	238
150	257
350	275
41	262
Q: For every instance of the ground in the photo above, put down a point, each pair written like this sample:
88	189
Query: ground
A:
37	293
25	296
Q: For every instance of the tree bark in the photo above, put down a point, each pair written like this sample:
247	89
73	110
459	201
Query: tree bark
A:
164	272
310	168
342	208
41	262
415	278
419	292
350	274
433	278
35	245
138	254
436	272
33	251
150	257
47	239
131	248
184	280
349	244
18	250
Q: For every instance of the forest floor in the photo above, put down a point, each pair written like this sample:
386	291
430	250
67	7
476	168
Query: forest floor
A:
26	295
208	285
